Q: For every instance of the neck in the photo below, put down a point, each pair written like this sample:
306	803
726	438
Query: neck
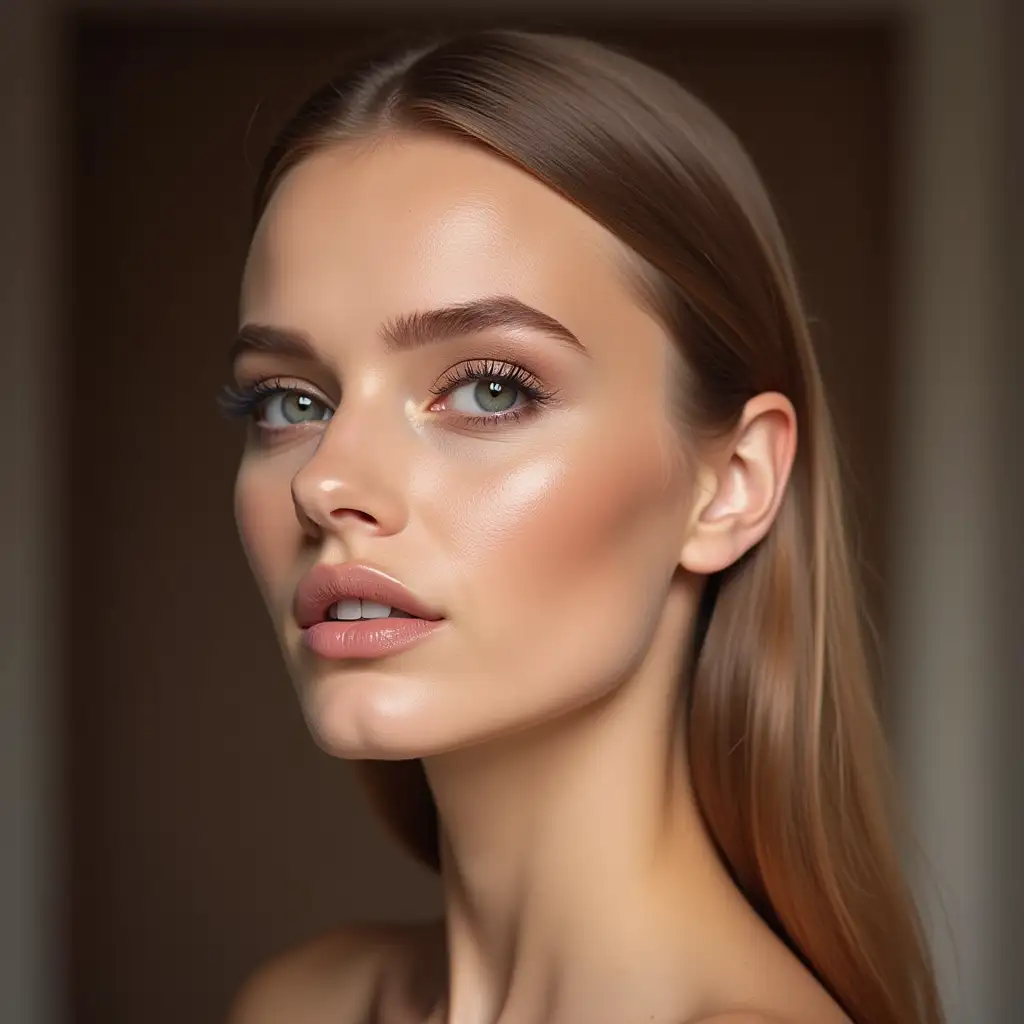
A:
574	857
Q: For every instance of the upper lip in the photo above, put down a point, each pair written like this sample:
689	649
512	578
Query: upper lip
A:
326	584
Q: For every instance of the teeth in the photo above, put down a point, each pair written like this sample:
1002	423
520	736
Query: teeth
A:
352	608
347	609
372	610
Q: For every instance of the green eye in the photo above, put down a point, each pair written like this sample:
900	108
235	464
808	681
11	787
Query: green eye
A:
271	406
488	392
288	408
486	396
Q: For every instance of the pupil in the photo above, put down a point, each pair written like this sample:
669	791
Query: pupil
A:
495	396
296	408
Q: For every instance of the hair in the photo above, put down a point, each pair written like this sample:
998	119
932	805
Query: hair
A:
786	748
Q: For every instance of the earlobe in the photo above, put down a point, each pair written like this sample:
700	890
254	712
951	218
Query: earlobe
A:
738	491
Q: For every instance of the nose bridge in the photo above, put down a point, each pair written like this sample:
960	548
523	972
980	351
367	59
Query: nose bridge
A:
358	467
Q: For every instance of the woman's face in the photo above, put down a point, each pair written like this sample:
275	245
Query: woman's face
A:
517	472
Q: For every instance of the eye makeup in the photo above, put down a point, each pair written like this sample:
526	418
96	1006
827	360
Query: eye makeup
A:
489	382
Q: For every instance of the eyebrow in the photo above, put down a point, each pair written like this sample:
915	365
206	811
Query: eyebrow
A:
412	330
283	341
495	313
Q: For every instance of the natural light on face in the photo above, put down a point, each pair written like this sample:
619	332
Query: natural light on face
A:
448	380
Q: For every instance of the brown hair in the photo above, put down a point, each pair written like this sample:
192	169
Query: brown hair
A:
786	750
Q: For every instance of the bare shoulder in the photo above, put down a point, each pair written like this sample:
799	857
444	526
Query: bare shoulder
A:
741	1018
330	979
744	1017
815	1016
753	1017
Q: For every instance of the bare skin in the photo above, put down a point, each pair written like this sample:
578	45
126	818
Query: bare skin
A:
565	547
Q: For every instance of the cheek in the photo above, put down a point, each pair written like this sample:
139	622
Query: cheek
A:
566	560
588	516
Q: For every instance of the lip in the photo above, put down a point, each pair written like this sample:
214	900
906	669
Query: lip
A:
326	584
366	638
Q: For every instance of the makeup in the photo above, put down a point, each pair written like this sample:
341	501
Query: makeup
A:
457	392
366	638
356	611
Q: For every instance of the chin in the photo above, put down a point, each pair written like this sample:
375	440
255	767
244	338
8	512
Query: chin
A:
367	714
363	714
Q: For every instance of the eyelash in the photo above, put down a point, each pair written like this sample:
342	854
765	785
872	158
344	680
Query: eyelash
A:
500	373
241	402
245	402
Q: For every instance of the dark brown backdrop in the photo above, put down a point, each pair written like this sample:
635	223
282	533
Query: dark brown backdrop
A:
206	829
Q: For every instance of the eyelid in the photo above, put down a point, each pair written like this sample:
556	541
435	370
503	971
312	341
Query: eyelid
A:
282	382
244	401
469	370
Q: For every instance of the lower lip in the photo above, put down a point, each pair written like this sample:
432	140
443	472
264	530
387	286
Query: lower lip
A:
366	638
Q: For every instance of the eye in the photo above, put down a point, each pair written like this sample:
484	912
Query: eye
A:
289	408
489	393
487	397
274	406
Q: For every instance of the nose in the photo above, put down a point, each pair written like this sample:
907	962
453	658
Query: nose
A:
348	484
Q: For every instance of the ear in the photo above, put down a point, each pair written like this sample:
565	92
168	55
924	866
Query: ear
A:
740	485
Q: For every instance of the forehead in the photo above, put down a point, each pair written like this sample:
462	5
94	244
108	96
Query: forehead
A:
413	222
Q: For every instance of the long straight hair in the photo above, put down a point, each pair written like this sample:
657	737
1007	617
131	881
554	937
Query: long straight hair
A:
785	744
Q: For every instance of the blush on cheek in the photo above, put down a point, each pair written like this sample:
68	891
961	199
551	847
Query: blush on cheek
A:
589	517
575	552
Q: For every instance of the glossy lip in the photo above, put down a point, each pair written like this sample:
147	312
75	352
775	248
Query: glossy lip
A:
366	638
326	584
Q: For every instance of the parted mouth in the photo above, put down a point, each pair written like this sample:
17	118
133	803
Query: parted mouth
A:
347	592
354	609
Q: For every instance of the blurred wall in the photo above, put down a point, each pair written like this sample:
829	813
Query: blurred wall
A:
31	840
953	500
1009	569
953	491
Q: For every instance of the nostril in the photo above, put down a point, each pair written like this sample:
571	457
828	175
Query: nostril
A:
340	514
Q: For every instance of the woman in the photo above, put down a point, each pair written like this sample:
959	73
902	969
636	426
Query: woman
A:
541	493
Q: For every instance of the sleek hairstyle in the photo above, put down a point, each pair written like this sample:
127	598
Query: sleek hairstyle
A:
786	750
